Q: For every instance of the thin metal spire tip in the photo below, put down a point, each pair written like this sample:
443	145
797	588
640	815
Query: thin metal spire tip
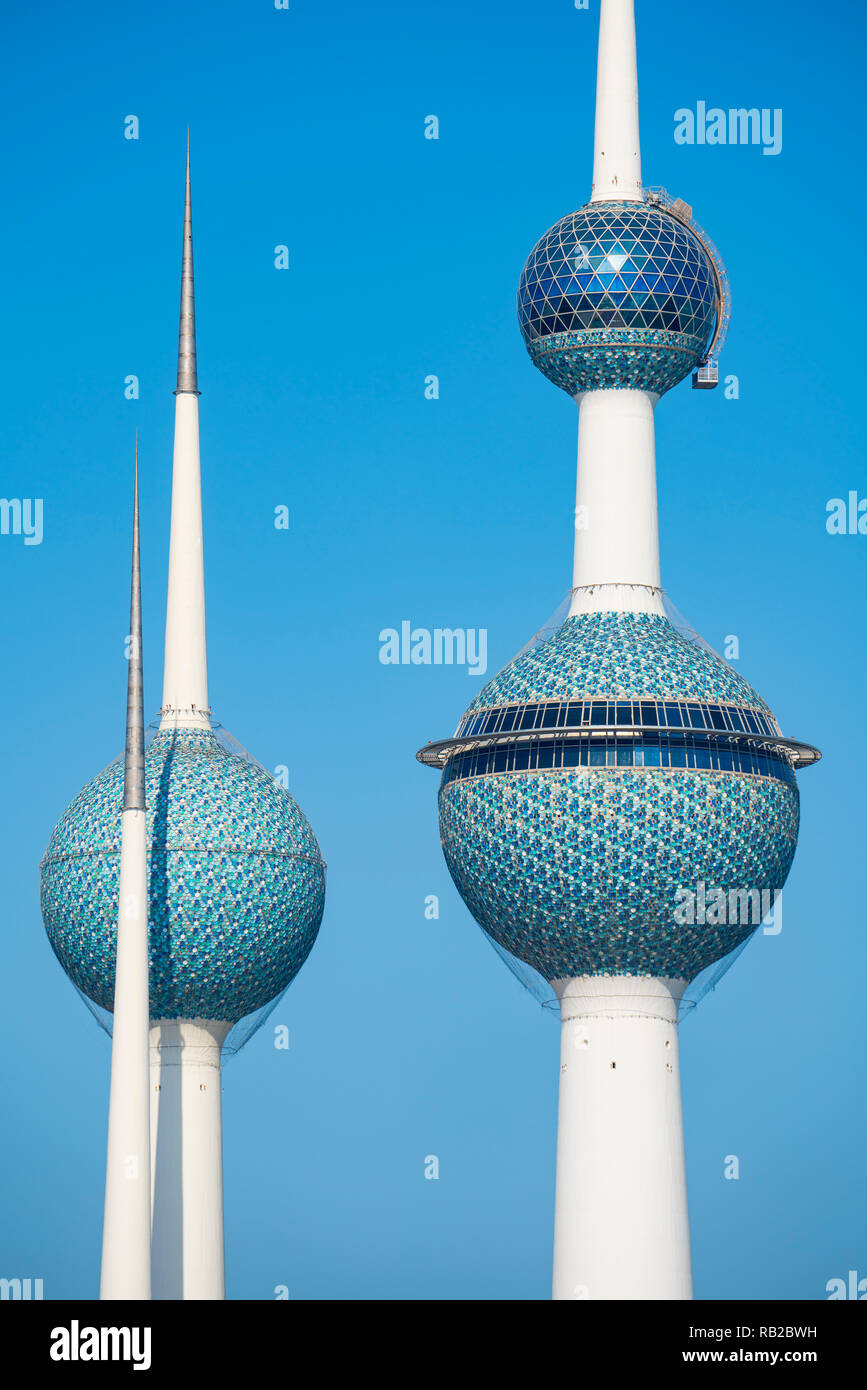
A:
187	378
133	765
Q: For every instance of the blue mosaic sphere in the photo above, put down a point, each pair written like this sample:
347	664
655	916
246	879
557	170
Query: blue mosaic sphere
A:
618	295
237	881
573	850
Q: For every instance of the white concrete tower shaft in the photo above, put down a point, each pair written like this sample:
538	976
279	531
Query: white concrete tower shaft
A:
616	147
126	1233
187	1130
616	566
621	1225
185	677
186	1113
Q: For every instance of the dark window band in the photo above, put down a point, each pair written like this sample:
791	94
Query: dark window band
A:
643	751
594	714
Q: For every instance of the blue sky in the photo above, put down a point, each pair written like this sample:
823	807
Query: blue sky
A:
407	1036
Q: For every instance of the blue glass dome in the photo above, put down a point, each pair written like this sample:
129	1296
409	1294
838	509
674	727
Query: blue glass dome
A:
237	882
597	777
618	295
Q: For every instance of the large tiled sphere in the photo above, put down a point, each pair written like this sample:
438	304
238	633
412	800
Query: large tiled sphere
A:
577	870
237	882
617	295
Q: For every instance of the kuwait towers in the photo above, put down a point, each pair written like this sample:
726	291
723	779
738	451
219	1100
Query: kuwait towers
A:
235	892
617	770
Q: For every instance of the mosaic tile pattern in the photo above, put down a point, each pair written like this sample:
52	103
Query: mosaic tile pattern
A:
576	872
616	359
618	295
618	656
237	882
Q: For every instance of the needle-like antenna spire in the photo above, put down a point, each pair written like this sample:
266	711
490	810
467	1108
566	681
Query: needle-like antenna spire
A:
185	679
187	379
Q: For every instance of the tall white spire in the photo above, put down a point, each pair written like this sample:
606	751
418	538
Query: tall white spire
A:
186	1124
616	148
126	1236
185	678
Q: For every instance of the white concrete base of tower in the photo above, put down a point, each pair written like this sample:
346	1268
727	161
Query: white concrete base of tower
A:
616	531
187	1256
621	1224
617	598
125	1272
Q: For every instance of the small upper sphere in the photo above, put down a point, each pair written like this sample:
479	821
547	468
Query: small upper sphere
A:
618	295
236	881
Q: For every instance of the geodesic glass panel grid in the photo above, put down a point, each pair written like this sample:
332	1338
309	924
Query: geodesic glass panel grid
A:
577	872
236	881
617	294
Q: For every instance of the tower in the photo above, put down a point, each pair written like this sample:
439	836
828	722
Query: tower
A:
236	886
618	772
126	1230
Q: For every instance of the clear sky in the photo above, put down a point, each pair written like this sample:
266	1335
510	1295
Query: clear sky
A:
408	1037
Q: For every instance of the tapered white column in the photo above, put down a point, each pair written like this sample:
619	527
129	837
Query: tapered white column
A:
185	679
621	1226
126	1232
616	564
187	1144
616	149
186	1110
